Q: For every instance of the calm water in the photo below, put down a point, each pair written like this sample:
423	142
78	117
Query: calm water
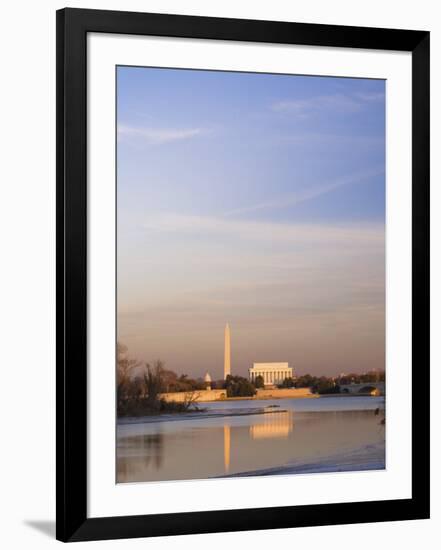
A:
292	436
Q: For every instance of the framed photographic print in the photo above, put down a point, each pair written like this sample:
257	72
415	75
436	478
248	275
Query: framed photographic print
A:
242	274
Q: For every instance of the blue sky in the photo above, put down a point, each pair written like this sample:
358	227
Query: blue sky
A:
257	200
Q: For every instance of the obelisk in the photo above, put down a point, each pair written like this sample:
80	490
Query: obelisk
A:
227	352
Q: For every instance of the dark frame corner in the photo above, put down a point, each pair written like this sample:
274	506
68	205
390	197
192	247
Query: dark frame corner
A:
71	320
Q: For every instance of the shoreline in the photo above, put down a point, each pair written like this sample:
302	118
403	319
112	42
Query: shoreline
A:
260	398
368	458
194	415
204	414
271	397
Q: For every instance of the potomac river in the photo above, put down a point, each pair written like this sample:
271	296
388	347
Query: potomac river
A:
254	437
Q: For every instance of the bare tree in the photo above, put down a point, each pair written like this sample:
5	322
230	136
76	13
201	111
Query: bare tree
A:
169	379
190	400
154	383
139	387
124	371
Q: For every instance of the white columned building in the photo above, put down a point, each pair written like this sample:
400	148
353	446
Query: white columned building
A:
272	373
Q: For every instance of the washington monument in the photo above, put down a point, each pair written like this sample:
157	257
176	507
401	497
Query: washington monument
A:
227	352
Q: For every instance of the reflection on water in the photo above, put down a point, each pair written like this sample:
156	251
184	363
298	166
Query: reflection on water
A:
273	425
227	443
211	446
146	449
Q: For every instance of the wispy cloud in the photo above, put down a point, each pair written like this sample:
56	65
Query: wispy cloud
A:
371	96
158	136
305	107
290	290
337	103
333	141
263	231
292	199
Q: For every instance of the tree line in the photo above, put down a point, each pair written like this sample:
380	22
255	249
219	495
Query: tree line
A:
139	385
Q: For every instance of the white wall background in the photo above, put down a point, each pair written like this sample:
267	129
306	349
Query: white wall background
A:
27	273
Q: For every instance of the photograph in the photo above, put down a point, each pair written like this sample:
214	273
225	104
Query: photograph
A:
219	271
250	301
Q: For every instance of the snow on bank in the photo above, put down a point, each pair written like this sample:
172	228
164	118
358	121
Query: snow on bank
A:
368	457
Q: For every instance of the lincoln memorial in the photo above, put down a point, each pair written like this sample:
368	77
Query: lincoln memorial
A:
272	373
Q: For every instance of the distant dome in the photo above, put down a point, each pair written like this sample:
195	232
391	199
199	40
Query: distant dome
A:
207	377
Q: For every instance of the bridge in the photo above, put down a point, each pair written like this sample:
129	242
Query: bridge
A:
358	388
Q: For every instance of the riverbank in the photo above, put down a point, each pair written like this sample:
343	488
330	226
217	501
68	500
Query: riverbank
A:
346	395
210	396
367	457
237	407
198	415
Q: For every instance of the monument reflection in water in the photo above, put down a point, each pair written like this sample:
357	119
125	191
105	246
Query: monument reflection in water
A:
274	425
252	444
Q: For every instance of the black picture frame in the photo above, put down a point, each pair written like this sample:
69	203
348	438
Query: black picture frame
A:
71	321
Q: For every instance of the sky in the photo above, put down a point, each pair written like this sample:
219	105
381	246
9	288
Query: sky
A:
257	200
